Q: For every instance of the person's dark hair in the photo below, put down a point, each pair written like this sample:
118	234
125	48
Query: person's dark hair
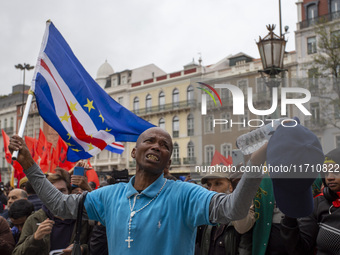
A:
29	188
20	208
63	173
119	176
53	178
333	155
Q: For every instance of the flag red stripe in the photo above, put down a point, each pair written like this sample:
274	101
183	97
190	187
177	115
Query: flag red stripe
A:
76	126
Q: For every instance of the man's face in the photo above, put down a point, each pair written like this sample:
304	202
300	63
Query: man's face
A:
61	186
220	185
153	151
19	223
14	195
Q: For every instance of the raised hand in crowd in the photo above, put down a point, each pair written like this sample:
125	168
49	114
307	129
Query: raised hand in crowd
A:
45	228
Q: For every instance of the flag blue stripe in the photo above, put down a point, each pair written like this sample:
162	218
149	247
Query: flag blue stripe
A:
124	125
114	150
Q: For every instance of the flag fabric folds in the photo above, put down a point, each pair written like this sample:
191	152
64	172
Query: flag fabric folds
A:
71	102
18	171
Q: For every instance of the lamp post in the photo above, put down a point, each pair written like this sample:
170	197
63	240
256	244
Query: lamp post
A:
272	49
24	67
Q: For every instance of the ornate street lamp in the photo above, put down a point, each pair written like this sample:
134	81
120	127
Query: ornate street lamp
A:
272	49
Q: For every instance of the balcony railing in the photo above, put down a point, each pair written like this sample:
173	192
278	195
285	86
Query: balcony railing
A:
188	104
319	20
189	161
315	124
175	161
9	130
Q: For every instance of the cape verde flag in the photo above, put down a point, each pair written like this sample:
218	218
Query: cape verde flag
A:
71	102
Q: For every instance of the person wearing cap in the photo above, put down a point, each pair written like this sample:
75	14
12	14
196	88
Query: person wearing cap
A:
150	214
318	233
232	238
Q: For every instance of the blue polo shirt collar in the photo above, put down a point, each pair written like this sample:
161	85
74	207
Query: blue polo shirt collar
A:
150	191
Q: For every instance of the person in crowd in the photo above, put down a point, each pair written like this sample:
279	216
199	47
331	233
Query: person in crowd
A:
22	183
13	195
33	197
18	213
318	233
44	232
232	238
141	214
3	198
6	238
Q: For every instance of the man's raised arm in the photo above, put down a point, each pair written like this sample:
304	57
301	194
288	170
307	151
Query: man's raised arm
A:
62	205
224	208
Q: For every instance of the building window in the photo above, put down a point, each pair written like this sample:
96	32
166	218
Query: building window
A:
175	154
335	6
226	149
209	124
226	121
124	79
311	45
148	103
161	100
114	82
209	154
136	105
175	127
190	94
191	150
335	39
190	123
337	141
312	11
313	75
315	111
161	123
120	100
175	98
5	124
244	120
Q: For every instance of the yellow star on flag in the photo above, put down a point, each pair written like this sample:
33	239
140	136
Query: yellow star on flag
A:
90	146
69	144
73	106
69	136
108	130
89	105
76	150
101	116
65	117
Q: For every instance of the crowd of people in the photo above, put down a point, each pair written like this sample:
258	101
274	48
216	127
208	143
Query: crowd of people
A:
153	213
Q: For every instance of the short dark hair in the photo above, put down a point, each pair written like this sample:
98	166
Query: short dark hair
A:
29	188
20	208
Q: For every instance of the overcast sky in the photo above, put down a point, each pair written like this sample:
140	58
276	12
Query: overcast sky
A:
134	33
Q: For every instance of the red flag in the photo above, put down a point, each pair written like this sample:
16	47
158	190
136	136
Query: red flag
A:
32	145
42	143
18	173
92	177
61	152
54	161
8	154
218	158
45	158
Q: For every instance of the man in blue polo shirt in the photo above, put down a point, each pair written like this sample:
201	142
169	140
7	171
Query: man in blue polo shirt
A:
150	214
